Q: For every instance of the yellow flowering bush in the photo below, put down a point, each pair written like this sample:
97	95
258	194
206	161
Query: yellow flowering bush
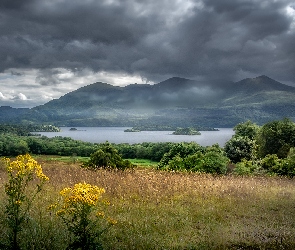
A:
21	172
81	212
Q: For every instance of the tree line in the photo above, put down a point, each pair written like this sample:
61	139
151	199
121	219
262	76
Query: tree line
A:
26	130
12	145
253	149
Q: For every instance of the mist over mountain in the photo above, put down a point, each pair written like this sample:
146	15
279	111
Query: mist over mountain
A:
175	101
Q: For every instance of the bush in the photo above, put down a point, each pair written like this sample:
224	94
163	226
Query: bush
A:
107	157
276	137
271	163
185	158
246	167
246	129
81	213
180	149
238	148
176	164
194	162
215	163
288	165
243	144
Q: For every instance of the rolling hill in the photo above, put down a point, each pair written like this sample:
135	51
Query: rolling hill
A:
175	101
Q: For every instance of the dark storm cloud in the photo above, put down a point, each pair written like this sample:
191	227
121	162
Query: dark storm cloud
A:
156	39
227	36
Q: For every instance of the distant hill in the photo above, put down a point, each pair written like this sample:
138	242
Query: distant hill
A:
175	101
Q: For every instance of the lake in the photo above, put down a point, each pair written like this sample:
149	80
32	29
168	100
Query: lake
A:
117	135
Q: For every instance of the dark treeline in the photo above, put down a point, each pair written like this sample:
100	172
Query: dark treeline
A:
253	149
12	144
24	130
146	150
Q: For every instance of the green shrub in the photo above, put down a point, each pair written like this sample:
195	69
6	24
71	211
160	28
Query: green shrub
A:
271	163
215	163
194	162
107	157
176	164
238	148
288	164
180	149
196	159
276	137
245	167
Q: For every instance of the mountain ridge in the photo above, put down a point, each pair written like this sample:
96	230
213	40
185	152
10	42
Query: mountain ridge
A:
180	101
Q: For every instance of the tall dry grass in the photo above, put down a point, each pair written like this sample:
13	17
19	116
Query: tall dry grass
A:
162	210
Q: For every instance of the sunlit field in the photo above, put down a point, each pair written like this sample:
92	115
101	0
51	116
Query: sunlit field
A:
165	210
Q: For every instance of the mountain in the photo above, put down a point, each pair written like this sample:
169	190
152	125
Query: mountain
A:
12	115
258	90
175	101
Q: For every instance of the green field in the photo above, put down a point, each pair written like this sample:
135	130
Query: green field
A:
79	159
144	163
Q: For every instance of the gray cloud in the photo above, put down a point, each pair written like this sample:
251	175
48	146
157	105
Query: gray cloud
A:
209	40
47	77
14	73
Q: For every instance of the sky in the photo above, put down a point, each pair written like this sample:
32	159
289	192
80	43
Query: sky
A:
49	48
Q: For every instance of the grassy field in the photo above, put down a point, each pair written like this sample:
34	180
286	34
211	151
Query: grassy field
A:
164	210
78	159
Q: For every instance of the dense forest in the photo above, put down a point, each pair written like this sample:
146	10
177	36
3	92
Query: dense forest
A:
253	149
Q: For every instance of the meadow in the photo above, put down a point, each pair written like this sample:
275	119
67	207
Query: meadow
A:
167	210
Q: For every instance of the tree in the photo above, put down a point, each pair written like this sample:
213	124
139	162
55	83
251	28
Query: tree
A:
247	129
272	164
243	144
180	149
215	162
107	157
239	147
183	157
288	164
276	137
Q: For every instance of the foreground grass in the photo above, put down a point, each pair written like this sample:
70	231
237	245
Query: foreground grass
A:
161	210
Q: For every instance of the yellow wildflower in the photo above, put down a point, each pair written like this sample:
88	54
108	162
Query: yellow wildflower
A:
106	202
100	214
18	202
51	207
25	165
82	193
112	221
60	212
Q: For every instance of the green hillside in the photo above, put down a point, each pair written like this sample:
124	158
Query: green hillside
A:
176	101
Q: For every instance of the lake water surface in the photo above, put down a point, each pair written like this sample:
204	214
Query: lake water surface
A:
117	135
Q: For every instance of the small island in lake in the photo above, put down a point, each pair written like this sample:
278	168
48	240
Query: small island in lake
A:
131	130
186	131
75	129
166	128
